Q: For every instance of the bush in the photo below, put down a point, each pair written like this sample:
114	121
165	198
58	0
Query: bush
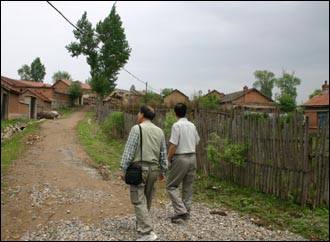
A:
113	126
221	148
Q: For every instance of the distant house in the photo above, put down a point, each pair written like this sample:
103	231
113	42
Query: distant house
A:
317	108
62	98
249	100
120	97
23	99
215	93
175	97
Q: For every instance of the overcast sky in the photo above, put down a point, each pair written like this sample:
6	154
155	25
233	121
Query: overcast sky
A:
189	46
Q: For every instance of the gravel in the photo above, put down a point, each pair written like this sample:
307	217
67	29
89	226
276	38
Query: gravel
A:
202	226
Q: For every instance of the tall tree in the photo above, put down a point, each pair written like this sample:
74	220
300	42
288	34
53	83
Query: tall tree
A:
287	85
61	75
38	70
265	82
35	73
106	50
25	72
132	88
75	89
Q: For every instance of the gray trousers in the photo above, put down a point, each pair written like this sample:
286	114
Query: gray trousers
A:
141	197
182	170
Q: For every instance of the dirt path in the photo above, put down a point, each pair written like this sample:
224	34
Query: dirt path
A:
53	181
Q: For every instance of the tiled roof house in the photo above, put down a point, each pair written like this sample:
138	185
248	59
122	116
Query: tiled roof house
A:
317	108
248	99
23	99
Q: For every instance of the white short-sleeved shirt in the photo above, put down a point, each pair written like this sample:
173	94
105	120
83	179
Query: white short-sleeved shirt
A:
184	135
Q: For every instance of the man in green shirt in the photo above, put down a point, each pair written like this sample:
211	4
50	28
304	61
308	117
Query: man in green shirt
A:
154	165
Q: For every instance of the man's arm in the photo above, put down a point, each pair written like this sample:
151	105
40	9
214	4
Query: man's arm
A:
129	151
171	152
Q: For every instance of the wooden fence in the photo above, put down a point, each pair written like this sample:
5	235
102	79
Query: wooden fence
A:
284	158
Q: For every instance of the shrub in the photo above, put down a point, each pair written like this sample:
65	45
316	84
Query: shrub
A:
113	126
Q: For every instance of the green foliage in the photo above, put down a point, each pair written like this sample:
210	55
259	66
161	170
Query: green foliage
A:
168	122
221	148
61	75
152	98
98	146
35	73
106	50
25	73
265	82
287	103
113	126
258	116
315	93
166	91
75	89
12	148
209	102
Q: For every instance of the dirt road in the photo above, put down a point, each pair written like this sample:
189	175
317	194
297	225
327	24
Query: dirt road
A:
54	180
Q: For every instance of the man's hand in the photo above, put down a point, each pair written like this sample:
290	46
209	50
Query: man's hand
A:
122	176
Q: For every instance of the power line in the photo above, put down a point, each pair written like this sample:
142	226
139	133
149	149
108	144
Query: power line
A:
65	18
146	83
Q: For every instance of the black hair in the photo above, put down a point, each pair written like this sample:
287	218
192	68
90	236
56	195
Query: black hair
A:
148	112
180	110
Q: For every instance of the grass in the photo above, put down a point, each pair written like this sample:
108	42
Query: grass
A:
267	211
13	147
98	146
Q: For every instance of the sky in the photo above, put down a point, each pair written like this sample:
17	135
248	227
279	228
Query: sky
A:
190	46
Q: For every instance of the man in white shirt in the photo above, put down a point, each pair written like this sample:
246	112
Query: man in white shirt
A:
183	164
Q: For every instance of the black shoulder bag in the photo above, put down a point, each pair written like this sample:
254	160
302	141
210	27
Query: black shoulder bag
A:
133	174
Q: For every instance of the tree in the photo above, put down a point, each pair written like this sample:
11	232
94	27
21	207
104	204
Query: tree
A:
287	85
265	82
106	50
132	88
166	91
35	73
75	89
25	72
61	75
315	93
287	103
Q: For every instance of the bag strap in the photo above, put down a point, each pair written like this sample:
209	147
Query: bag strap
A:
140	140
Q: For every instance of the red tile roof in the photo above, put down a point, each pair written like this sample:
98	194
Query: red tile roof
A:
69	82
21	83
320	100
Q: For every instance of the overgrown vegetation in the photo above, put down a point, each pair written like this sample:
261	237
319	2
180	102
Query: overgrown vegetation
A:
221	148
98	146
12	148
113	126
266	210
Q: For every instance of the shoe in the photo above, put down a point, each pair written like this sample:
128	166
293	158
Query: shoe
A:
176	218
148	237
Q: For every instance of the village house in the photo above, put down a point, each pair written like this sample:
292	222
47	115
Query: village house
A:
23	99
175	97
317	108
62	98
214	93
248	100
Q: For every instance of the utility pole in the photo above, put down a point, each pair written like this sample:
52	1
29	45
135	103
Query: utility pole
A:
146	92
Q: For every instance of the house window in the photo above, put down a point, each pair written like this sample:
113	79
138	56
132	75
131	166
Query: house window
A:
322	119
